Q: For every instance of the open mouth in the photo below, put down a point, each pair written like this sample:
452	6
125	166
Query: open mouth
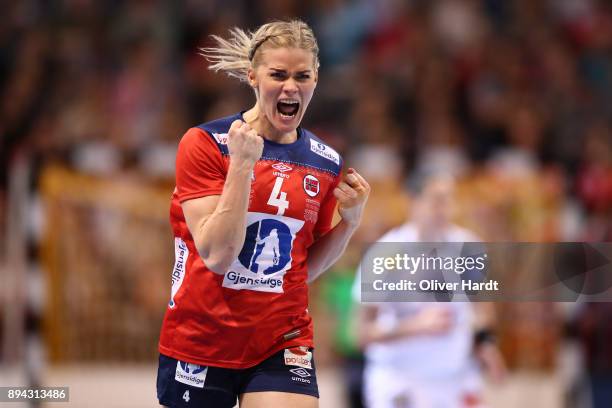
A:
288	108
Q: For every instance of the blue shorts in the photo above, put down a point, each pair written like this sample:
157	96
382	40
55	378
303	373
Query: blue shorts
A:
181	384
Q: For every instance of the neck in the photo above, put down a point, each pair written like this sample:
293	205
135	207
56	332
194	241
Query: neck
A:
258	121
430	233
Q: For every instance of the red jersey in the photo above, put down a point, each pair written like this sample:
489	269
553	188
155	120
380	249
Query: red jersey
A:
260	305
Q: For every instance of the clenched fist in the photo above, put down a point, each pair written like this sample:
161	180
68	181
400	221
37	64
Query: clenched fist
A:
352	193
243	143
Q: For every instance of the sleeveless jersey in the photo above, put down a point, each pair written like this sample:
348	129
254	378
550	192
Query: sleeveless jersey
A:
260	305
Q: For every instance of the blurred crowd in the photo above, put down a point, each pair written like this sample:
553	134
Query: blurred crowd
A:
521	87
513	97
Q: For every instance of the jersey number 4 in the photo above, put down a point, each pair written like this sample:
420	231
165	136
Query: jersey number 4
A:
278	198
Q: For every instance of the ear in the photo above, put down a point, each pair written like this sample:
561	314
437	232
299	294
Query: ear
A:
252	78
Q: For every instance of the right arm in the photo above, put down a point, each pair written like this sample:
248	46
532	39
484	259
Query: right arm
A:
429	321
217	223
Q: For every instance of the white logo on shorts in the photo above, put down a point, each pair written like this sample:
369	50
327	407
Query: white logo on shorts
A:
302	375
300	358
190	374
300	371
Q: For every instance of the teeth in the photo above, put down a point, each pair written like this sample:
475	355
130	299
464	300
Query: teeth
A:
294	103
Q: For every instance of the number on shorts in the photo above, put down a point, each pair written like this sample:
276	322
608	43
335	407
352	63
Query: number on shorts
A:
186	396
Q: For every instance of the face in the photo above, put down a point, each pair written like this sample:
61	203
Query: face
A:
436	202
285	80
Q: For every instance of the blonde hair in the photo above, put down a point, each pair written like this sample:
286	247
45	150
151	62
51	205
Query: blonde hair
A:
243	49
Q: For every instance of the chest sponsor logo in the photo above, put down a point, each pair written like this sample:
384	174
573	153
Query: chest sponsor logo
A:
190	374
266	254
221	138
324	151
311	185
298	356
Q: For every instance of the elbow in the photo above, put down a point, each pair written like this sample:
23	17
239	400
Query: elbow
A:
312	275
314	268
218	265
220	261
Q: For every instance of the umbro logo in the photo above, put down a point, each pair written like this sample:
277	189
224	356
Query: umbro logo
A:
283	168
300	371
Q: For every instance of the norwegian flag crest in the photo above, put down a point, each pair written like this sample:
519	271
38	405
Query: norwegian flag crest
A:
311	185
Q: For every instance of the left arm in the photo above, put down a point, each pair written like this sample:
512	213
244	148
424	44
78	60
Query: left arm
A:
352	194
485	348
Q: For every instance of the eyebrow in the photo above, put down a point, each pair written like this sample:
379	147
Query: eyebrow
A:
305	71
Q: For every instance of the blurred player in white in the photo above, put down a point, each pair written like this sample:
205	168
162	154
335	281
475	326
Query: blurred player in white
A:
426	355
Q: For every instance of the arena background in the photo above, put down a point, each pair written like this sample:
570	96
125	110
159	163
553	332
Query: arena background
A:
512	97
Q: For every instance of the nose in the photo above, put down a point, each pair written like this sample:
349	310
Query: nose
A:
290	86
